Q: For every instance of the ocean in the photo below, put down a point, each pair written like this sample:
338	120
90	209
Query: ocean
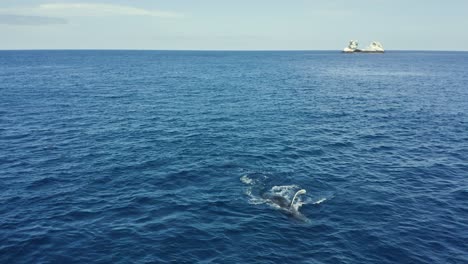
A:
195	157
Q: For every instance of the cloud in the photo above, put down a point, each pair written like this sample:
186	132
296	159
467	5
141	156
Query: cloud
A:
85	10
89	9
30	20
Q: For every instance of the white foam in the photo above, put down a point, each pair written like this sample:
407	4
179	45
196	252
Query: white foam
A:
286	191
253	199
245	179
320	201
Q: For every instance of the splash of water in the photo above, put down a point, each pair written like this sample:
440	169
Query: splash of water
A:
320	201
287	198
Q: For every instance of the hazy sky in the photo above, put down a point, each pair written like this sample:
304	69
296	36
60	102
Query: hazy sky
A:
233	24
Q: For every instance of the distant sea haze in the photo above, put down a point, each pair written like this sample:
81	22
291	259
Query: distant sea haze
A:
233	157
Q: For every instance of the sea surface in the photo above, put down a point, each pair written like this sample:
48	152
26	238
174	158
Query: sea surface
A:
194	157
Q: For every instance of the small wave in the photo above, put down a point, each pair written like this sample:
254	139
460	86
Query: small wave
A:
343	144
321	200
44	182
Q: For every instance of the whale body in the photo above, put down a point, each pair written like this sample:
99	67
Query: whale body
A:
283	202
280	201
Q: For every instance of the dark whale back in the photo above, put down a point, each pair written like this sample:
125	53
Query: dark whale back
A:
280	200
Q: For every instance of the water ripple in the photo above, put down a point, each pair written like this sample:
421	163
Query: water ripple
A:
136	156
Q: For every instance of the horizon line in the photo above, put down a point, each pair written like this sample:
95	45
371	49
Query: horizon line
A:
126	49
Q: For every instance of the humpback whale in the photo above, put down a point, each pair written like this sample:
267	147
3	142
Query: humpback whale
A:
286	198
284	203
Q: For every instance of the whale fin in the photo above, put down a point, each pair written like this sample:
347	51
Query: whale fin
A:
301	191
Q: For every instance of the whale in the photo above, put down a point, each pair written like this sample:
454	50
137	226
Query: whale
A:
280	201
284	203
285	198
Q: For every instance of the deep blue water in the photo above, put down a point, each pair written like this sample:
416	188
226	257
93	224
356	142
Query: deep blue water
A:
159	156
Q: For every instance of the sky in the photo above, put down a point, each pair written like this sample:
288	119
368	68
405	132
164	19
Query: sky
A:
233	24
